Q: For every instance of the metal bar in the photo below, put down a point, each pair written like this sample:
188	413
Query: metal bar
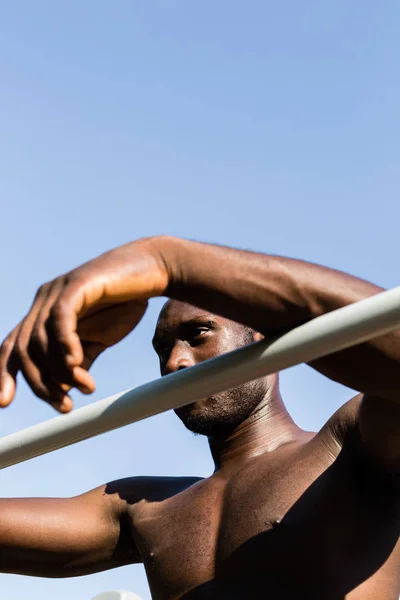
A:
324	335
117	595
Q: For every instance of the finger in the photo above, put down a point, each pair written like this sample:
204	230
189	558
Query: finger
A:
37	370
81	380
67	388
33	371
45	389
8	370
47	354
9	385
62	325
63	336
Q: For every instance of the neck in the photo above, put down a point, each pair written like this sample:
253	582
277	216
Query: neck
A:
267	428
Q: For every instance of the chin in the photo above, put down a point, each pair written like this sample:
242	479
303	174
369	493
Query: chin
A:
207	418
219	415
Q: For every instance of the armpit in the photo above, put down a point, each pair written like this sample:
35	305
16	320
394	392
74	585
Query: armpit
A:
342	425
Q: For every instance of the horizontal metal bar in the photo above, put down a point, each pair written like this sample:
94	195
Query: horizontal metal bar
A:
324	335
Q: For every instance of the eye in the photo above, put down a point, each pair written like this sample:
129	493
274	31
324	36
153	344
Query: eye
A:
197	334
200	330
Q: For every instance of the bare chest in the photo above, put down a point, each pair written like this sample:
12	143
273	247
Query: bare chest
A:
282	522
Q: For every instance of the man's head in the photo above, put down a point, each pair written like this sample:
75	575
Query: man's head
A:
185	336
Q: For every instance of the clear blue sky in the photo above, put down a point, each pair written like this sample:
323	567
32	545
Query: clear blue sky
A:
265	125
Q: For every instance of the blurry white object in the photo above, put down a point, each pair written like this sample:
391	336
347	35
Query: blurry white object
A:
117	595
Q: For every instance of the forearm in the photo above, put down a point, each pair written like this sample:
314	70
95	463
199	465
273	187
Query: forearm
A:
273	295
270	293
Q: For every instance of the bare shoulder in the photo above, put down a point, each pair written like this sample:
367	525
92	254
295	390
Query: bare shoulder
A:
131	490
123	496
341	436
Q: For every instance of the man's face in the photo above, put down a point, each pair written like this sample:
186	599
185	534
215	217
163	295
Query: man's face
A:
185	336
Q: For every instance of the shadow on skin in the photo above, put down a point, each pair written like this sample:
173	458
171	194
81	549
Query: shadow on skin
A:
339	532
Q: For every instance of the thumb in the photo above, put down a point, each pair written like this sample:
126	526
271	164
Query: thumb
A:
8	382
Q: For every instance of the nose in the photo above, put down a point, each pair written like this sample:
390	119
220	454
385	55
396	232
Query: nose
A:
179	358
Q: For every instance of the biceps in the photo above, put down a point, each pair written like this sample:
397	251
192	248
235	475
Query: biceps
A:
379	425
56	537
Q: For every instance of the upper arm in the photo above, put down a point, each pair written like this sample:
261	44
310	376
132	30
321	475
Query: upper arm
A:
61	537
379	427
373	425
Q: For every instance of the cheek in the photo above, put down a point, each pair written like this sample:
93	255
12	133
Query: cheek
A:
214	346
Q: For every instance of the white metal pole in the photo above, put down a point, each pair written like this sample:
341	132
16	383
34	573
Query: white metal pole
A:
117	595
324	335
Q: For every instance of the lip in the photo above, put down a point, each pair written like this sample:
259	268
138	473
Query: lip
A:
193	406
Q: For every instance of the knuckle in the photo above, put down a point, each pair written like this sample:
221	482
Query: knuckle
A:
73	277
58	310
21	349
72	283
21	344
6	347
42	290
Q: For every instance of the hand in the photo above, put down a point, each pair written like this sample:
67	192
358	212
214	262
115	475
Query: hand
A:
77	316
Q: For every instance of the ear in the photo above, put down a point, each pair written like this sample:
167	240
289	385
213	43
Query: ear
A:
257	336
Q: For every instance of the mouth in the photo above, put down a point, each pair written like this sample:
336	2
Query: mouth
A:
193	407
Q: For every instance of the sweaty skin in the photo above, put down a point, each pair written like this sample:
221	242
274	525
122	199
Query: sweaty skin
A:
286	513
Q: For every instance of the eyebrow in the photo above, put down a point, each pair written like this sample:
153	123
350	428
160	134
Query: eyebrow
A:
185	325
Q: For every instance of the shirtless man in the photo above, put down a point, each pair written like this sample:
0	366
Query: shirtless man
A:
287	513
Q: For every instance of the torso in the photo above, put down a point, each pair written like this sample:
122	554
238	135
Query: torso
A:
299	522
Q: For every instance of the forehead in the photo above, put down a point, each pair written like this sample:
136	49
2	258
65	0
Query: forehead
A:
175	313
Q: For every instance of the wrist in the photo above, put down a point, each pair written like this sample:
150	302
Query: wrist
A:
166	254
